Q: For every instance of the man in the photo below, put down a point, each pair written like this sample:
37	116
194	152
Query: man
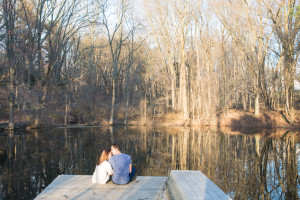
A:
122	166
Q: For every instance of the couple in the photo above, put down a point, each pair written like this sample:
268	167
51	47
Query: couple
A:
113	162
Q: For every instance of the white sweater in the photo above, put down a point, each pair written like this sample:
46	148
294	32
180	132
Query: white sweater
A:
102	172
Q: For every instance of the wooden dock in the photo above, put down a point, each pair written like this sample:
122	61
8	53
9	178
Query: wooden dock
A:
81	187
194	185
182	184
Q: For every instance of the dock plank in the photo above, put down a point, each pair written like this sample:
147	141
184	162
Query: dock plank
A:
81	187
194	185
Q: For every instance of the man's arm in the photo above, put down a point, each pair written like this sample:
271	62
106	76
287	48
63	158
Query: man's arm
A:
130	168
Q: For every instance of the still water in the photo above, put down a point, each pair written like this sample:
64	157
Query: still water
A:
264	165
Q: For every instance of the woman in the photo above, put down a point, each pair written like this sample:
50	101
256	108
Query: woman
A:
103	169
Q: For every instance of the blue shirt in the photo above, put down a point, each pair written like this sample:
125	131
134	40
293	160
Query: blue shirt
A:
120	164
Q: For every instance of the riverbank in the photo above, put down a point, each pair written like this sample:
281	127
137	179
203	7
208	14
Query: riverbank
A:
231	119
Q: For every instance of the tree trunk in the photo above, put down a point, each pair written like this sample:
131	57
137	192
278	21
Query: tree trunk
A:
244	98
11	98
193	105
173	91
30	67
113	99
250	102
9	15
289	77
127	100
256	104
66	110
183	81
145	108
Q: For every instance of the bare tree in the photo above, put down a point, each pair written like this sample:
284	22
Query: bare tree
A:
164	34
246	25
117	36
170	21
64	22
286	24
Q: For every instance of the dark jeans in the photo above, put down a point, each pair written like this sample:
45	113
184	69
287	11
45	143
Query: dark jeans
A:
132	174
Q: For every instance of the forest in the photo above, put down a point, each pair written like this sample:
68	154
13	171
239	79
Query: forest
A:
114	62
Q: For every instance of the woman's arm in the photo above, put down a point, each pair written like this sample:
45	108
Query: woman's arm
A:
94	177
109	169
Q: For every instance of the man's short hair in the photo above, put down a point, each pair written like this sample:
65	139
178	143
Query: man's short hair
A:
116	146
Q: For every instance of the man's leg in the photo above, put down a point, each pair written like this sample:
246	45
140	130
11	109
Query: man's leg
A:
132	174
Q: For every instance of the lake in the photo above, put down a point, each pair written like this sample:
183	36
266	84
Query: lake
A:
259	165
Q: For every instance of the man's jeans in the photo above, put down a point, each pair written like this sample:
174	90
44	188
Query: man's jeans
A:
132	174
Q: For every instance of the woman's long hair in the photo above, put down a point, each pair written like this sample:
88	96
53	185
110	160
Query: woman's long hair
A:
104	156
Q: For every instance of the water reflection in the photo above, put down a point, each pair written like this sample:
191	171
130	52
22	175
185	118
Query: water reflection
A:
245	167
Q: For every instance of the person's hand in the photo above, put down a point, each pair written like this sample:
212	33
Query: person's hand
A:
112	174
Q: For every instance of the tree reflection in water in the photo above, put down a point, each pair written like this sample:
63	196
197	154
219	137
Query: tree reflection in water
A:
245	167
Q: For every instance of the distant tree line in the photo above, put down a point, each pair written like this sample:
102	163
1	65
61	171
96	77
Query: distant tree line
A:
85	61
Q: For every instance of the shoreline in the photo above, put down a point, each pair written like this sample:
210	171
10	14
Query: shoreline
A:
233	119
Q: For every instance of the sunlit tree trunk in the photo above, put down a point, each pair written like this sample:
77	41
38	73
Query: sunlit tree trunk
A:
183	80
173	84
145	108
256	104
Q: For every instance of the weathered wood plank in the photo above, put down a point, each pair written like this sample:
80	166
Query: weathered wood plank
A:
81	187
193	185
184	184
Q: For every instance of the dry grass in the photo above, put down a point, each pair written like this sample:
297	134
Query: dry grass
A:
171	119
266	119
